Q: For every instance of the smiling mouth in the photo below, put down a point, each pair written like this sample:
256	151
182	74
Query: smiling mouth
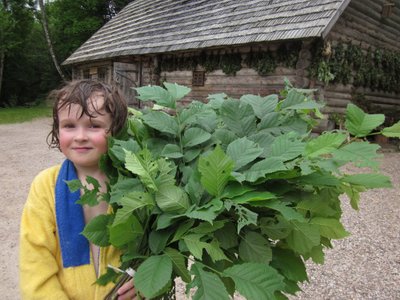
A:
82	149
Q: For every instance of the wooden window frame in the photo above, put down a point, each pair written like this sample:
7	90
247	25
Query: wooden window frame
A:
198	78
387	9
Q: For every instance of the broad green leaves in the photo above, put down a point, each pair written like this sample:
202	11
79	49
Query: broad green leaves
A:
216	170
359	123
237	190
255	281
153	275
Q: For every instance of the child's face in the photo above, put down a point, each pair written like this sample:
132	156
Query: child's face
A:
83	139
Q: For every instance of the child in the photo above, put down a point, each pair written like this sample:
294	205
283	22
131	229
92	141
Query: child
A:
56	261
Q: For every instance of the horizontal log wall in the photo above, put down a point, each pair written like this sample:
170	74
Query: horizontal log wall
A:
246	81
363	24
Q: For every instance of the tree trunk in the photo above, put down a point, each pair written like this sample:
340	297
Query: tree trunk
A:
49	43
2	58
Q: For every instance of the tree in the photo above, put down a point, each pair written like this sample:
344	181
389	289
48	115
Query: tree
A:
48	39
6	29
16	23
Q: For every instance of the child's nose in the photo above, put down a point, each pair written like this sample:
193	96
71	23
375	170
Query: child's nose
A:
81	134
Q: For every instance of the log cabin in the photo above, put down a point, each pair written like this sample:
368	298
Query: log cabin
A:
348	50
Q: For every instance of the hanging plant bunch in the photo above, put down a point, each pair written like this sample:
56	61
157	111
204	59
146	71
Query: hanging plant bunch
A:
320	68
231	63
288	54
266	63
212	62
232	195
377	69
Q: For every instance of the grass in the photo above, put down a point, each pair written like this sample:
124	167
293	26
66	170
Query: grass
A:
23	114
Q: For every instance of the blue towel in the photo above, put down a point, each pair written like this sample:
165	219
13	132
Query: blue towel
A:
75	249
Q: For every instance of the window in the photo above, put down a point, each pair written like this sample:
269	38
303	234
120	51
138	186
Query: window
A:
388	8
102	74
86	74
198	78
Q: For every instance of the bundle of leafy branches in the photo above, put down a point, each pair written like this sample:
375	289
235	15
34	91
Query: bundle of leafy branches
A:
230	196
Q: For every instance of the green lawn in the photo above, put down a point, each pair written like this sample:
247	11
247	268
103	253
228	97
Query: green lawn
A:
23	114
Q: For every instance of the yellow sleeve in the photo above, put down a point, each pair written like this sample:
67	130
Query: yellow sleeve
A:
39	250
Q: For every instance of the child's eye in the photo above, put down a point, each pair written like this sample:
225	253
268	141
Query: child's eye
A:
68	125
94	126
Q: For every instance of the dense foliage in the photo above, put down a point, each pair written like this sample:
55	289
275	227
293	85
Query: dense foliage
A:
232	195
345	63
29	72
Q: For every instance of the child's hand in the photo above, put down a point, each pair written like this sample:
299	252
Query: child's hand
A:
127	291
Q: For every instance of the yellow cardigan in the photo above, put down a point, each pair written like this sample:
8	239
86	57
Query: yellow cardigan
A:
42	275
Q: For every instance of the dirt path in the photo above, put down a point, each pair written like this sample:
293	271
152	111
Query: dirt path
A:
23	153
364	266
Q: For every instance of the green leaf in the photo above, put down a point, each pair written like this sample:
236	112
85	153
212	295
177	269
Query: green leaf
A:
235	189
362	154
158	240
392	131
289	264
182	229
195	245
255	281
330	227
325	143
245	215
124	186
360	124
74	185
162	122
255	248
319	179
207	212
178	264
156	93
287	147
215	170
209	285
316	206
172	151
272	122
96	230
305	105
369	181
206	228
191	154
195	136
227	236
107	277
264	167
238	117
275	228
261	105
303	237
293	98
177	91
253	196
131	202
215	252
142	165
243	151
125	232
287	212
171	198
153	275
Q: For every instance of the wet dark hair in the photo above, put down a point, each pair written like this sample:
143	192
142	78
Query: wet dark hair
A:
79	92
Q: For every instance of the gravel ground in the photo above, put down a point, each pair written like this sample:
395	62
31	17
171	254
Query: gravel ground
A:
365	265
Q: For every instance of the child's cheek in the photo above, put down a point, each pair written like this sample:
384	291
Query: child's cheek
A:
64	142
101	143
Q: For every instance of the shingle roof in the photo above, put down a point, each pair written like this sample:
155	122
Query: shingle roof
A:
156	26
